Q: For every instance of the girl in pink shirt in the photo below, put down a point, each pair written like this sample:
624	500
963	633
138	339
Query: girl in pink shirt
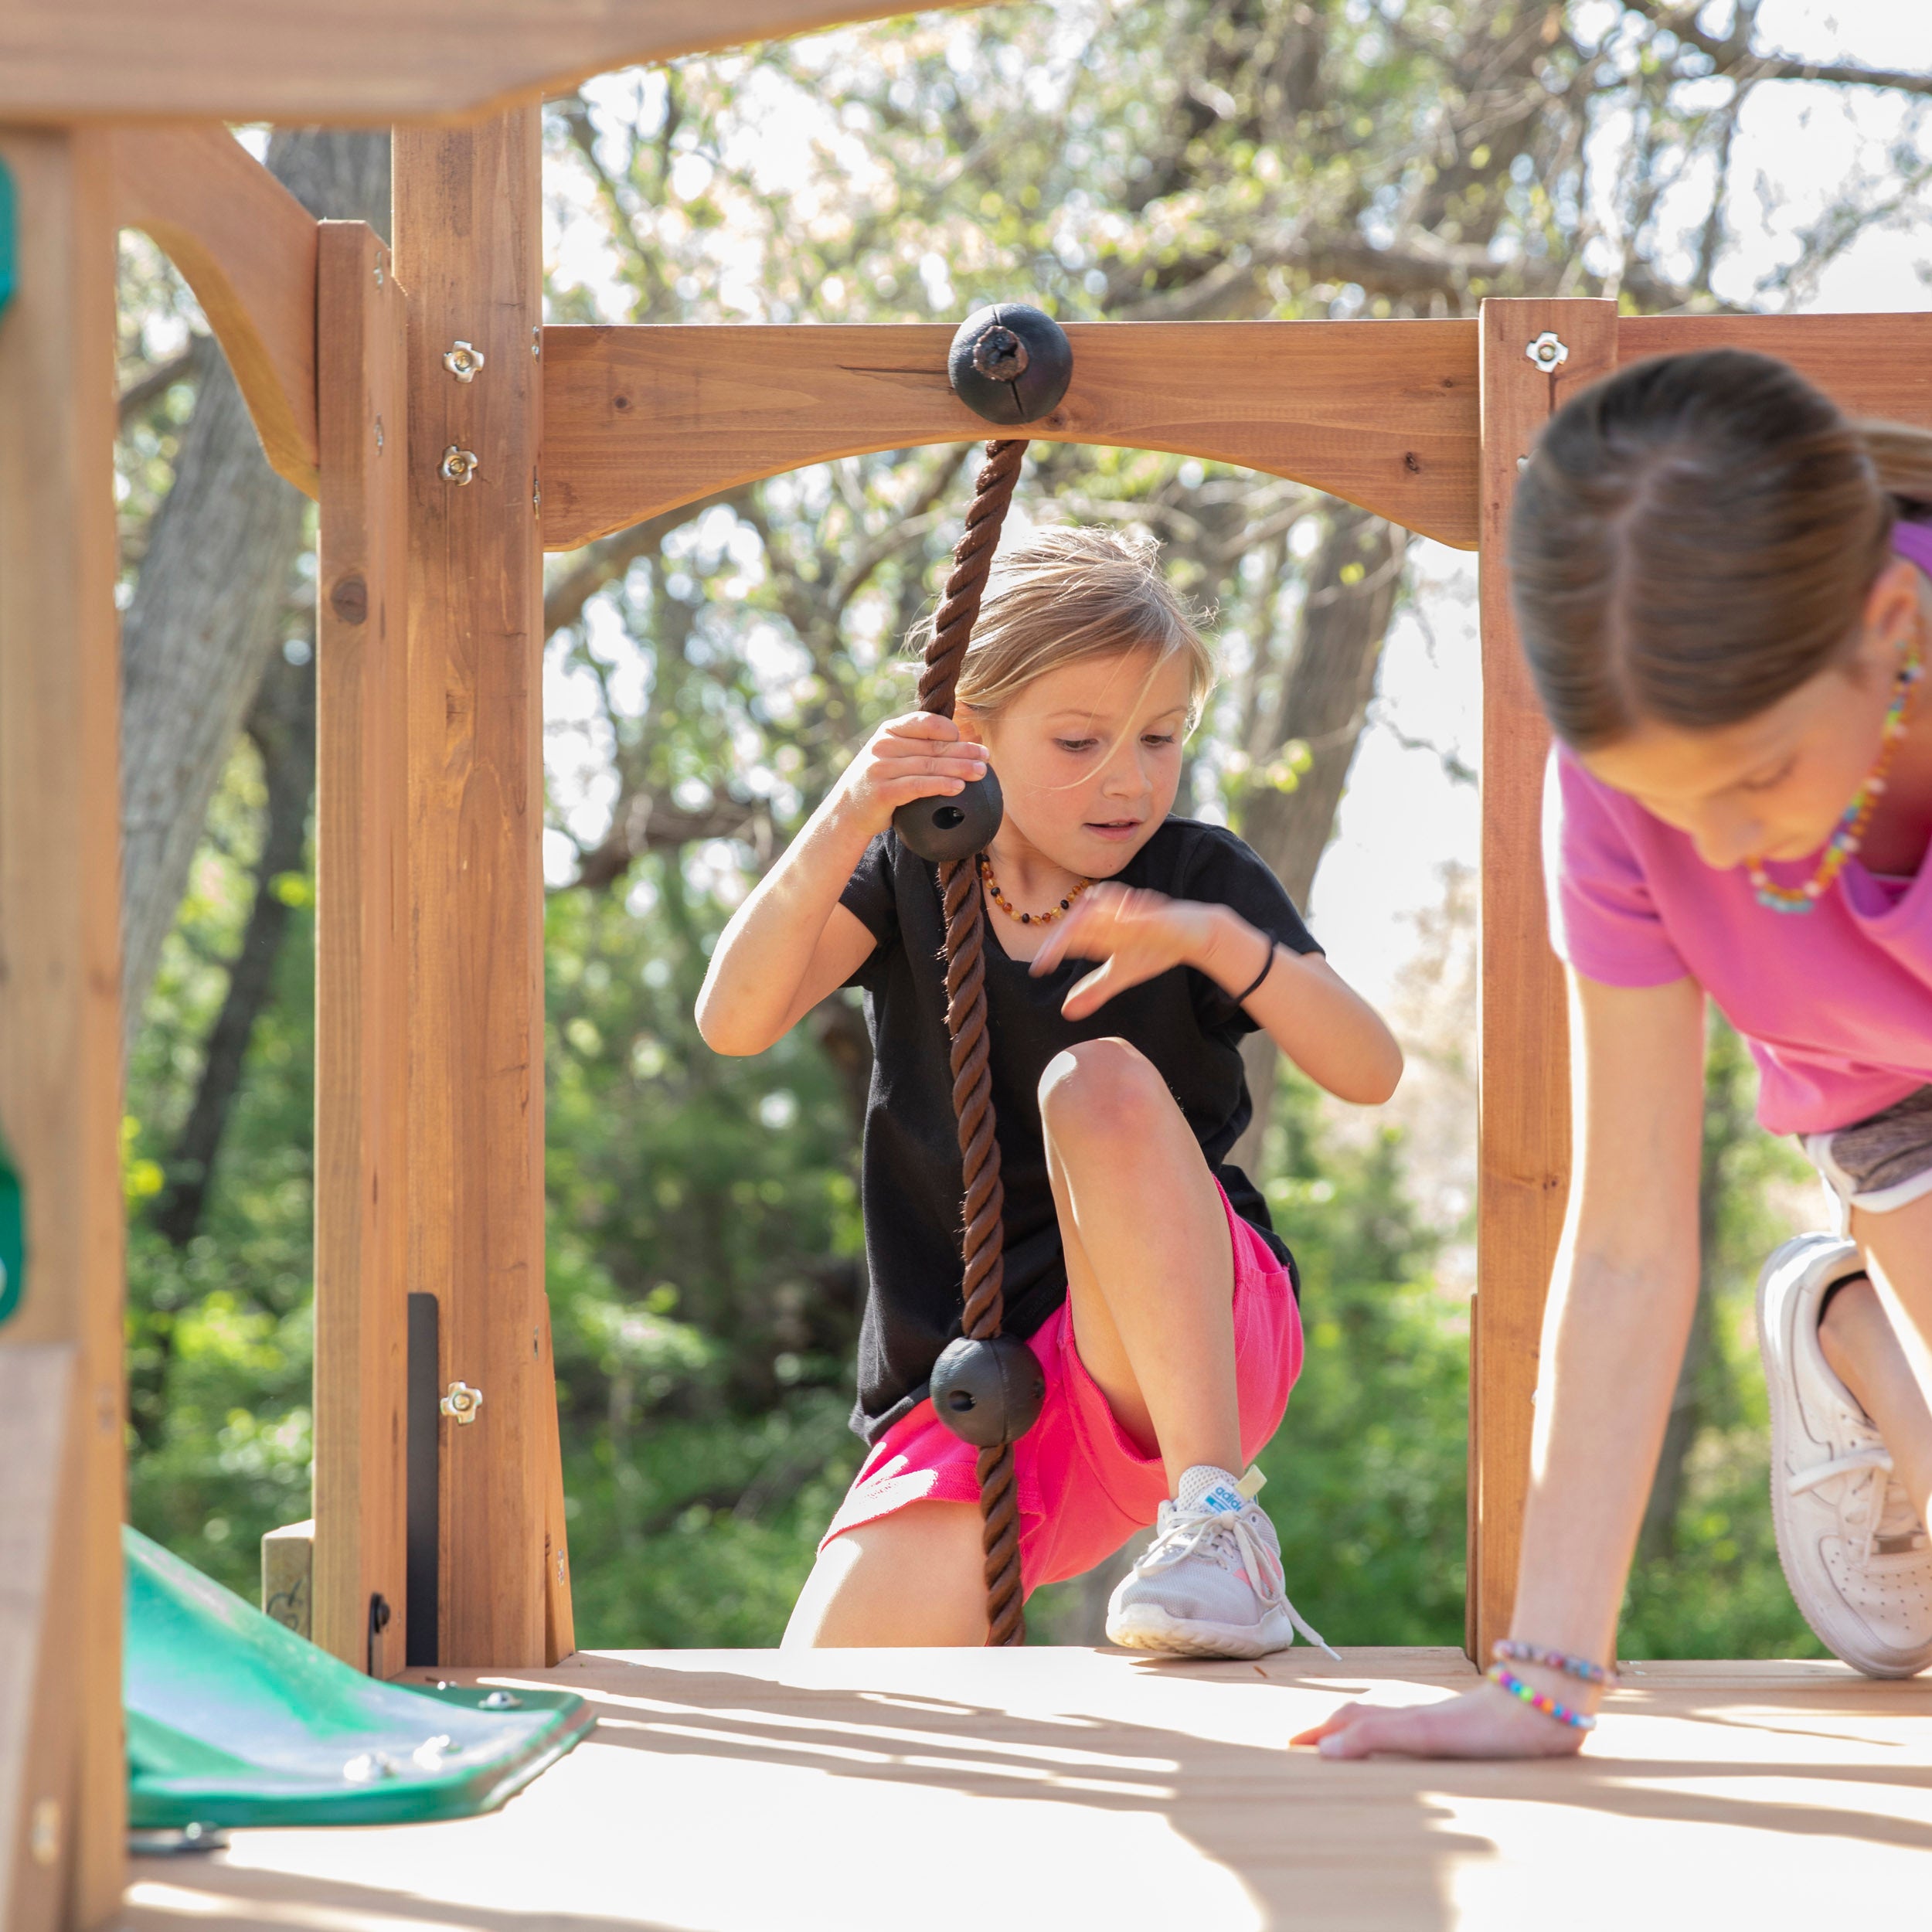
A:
1723	590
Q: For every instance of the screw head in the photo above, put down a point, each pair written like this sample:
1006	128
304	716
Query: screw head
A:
378	274
462	360
459	465
1549	352
536	340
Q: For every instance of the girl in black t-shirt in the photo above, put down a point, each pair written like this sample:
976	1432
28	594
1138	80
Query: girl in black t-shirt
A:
1141	1267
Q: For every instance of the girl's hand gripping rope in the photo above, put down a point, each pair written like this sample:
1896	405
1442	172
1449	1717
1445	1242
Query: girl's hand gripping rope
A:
919	755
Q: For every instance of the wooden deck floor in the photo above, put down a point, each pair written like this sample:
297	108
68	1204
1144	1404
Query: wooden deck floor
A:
990	1791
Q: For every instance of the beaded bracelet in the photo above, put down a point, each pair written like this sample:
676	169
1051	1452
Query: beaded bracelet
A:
1505	1679
1513	1651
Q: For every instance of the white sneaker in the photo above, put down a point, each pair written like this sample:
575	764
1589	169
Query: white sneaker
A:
1854	1551
1210	1584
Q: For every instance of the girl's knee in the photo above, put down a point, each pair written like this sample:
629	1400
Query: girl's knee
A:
1102	1087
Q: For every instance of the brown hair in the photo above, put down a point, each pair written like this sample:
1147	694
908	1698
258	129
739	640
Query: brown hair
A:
1071	593
1693	538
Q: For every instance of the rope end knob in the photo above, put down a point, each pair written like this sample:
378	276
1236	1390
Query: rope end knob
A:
1010	363
941	830
988	1392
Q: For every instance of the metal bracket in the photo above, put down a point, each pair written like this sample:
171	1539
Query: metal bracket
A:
459	465
462	360
1549	352
462	1403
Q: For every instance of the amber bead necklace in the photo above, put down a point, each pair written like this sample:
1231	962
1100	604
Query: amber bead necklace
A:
1012	911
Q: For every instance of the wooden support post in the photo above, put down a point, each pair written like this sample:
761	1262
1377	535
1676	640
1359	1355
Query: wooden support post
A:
1523	1108
60	900
468	233
362	991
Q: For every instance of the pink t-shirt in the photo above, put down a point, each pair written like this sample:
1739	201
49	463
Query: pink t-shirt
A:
1836	1004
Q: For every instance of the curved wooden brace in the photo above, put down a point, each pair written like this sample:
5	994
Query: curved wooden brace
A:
637	420
357	62
246	247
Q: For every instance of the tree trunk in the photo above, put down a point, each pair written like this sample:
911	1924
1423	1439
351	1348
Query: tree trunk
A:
214	590
1323	705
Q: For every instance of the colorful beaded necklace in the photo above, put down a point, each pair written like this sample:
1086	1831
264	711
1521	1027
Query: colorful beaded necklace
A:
1850	835
1012	911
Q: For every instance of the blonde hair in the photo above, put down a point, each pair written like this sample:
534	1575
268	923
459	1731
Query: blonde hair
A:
1070	593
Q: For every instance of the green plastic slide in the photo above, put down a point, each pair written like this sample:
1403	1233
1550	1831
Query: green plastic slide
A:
232	1720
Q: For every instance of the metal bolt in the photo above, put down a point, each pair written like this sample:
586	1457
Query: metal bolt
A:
379	274
462	360
379	433
1549	352
536	492
459	466
462	1403
536	340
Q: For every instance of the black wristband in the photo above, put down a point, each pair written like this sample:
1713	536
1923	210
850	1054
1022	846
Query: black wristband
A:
1253	986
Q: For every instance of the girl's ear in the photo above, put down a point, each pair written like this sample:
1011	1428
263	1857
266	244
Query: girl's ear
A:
1892	610
972	724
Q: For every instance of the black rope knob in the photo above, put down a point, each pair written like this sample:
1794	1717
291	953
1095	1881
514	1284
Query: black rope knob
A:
988	1392
943	829
1010	363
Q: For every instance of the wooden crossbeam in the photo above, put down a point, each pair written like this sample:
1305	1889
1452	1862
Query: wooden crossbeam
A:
638	419
246	247
361	62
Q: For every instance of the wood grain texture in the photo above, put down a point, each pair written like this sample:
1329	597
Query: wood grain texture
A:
41	1672
361	987
355	62
60	883
1523	1103
638	419
468	232
246	247
559	1620
744	1790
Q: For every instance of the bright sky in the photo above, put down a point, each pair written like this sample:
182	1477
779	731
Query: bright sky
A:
1402	819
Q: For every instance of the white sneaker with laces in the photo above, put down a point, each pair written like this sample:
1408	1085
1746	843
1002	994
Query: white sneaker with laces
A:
1210	1584
1855	1553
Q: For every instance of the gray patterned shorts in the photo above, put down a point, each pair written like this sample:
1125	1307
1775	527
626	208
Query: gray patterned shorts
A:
1878	1164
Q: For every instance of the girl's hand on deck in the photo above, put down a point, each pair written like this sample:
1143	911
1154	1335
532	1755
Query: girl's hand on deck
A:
1137	934
919	755
1482	1722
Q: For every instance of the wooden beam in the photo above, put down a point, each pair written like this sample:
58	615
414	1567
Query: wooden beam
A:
362	991
41	1673
1523	1102
638	419
246	247
368	62
468	233
60	891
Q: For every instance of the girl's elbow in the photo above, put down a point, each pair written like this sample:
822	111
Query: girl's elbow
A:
716	1029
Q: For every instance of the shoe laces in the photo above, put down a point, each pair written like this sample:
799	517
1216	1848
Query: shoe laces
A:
1877	1500
1227	1537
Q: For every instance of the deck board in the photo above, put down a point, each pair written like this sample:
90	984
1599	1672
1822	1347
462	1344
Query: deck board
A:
1000	1791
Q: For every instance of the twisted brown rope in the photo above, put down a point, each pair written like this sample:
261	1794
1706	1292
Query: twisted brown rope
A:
966	1021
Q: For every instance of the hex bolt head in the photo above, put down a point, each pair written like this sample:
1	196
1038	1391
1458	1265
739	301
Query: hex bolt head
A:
462	360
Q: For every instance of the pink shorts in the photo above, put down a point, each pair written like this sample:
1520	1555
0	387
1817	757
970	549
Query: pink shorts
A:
1084	1488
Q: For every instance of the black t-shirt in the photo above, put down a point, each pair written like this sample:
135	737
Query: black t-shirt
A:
1185	1025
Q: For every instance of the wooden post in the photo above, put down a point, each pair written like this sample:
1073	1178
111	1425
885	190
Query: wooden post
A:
60	901
468	234
1523	1108
361	991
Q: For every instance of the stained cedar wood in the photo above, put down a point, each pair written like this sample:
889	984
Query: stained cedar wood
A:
743	1790
60	883
1523	1107
40	1665
246	247
355	62
559	1621
468	233
361	992
637	420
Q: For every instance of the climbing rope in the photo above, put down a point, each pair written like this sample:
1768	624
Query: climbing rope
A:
966	1023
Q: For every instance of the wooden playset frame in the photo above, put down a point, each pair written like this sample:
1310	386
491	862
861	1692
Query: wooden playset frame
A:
439	492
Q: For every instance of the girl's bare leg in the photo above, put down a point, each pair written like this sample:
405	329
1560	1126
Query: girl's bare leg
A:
1877	1337
1150	1271
916	1578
